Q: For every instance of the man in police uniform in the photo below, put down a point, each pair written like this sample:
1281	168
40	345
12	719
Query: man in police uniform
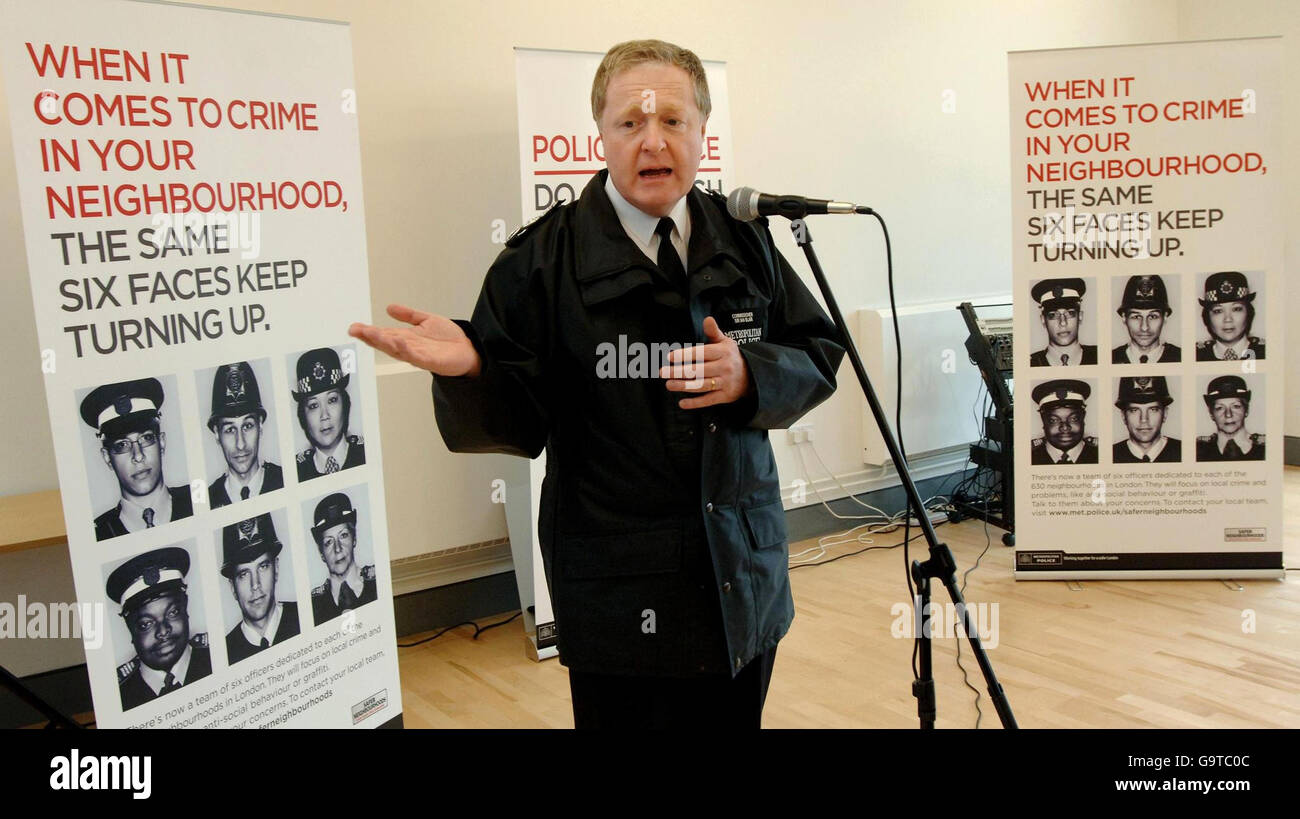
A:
1059	310
324	408
250	560
1228	400
1228	312
126	418
236	422
349	586
1144	309
1062	406
151	591
661	525
1143	403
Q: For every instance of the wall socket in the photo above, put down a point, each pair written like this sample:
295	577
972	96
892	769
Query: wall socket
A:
799	433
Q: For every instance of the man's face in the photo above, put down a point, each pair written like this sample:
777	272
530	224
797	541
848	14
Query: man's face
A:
653	134
1228	321
1062	325
254	586
1144	421
1063	426
239	439
337	545
1229	415
160	630
1144	327
324	413
136	459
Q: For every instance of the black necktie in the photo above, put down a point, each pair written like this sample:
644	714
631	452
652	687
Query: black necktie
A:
264	643
347	598
170	683
669	262
1143	359
1065	459
148	518
1065	359
243	493
1146	459
1232	450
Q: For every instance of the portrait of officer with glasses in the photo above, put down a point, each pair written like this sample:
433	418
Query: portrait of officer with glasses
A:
126	417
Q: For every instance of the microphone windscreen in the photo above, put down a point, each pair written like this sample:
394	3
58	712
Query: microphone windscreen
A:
742	204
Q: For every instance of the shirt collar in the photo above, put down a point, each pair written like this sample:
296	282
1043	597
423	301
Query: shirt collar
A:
1075	352
1241	437
233	484
1074	451
156	679
1156	448
354	581
340	454
1240	346
131	509
1135	355
640	226
272	625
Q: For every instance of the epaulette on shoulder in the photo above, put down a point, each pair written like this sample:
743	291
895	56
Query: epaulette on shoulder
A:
1088	439
1205	439
1204	345
1257	437
356	440
199	640
127	668
518	236
320	591
367	572
304	456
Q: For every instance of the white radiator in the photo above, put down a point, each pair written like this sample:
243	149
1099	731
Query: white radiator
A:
940	384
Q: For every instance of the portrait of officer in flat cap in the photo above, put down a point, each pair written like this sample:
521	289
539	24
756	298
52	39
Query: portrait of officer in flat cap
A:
238	423
1060	310
1145	311
1228	313
127	419
1227	398
1143	402
250	562
155	606
325	413
1062	407
349	584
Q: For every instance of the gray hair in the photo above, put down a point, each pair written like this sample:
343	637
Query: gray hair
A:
635	52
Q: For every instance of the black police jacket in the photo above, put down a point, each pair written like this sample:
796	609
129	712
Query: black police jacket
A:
566	325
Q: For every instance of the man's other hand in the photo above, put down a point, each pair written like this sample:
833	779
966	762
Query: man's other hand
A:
715	372
431	342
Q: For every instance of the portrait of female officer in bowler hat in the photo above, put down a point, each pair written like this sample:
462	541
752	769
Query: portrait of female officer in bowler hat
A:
127	420
1227	398
324	412
349	584
1228	312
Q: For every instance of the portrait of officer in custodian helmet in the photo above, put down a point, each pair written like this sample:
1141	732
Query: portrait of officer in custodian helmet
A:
1060	310
1143	402
1227	398
238	422
127	419
1228	313
155	605
324	413
1062	407
1145	311
250	561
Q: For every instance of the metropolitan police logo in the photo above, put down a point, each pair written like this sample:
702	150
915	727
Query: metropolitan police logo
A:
1057	292
122	405
150	575
318	371
1143	383
235	386
1061	394
248	529
1146	288
1226	288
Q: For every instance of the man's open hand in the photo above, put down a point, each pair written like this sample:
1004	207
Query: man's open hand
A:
715	372
432	342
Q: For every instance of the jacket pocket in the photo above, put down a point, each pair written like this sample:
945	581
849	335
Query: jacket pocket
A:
766	525
621	555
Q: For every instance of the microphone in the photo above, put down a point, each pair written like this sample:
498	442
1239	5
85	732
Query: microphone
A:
747	204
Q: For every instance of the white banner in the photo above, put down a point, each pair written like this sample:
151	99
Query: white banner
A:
1147	266
559	152
190	185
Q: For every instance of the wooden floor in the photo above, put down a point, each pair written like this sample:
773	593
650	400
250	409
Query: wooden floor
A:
1115	654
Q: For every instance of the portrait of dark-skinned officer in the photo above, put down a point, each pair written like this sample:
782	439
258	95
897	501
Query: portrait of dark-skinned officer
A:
155	606
1062	407
1228	400
126	417
661	525
349	585
1144	309
237	422
250	560
324	410
1060	311
1143	402
1228	313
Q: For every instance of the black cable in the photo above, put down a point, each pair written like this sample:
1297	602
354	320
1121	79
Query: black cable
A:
477	630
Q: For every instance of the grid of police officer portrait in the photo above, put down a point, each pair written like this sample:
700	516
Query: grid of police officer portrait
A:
209	556
1186	381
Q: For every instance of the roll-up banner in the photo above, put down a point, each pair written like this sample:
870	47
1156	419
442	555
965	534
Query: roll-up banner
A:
190	186
559	152
1147	267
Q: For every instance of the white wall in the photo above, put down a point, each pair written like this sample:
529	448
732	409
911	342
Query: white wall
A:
828	99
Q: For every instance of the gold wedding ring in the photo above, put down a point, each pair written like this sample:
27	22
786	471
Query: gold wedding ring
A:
713	383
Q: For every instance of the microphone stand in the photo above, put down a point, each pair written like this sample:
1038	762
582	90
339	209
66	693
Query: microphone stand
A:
941	564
